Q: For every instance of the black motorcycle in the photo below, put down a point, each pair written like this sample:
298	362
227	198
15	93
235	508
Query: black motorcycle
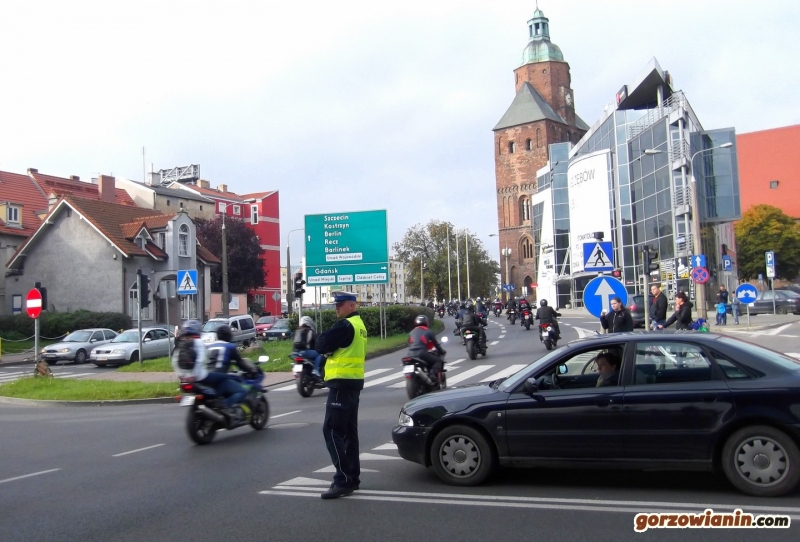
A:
512	316
303	368
440	312
525	319
419	379
547	335
207	413
473	343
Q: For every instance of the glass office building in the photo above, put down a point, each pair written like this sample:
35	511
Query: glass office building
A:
656	151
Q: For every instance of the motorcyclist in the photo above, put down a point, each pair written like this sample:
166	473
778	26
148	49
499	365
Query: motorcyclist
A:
480	306
430	304
523	305
498	305
511	304
304	343
422	344
547	315
471	321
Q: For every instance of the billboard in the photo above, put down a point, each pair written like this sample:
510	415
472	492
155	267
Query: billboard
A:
589	209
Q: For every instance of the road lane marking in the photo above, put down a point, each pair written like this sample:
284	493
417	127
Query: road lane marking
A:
139	450
468	374
493	343
459	498
383	379
388	446
331	468
502	336
286	388
376	372
376	457
28	475
584	332
285	414
508	371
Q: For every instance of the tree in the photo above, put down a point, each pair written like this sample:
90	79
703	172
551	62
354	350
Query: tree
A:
427	245
245	266
766	228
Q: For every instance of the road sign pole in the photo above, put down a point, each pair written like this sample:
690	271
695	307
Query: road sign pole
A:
36	340
139	310
646	281
748	316
772	289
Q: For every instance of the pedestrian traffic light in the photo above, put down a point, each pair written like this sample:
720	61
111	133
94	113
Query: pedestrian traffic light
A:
144	299
43	291
298	284
617	274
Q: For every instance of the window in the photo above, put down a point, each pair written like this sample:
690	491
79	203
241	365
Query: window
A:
168	203
670	362
511	147
161	334
162	240
12	215
133	304
201	207
181	204
773	185
222	207
109	334
538	137
254	214
525	209
237	210
97	336
731	370
528	145
527	249
183	240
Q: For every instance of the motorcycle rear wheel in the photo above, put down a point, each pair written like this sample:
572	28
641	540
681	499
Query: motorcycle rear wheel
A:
305	385
548	344
527	325
414	388
200	429
513	320
260	414
471	349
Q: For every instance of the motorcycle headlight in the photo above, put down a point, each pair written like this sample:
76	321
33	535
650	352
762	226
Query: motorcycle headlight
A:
405	420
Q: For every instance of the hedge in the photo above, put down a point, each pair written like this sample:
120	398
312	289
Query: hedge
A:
399	318
56	324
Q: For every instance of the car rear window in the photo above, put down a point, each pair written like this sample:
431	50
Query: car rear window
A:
786	362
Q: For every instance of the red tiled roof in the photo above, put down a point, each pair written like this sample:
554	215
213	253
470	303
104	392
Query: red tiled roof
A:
61	187
155	250
204	254
131	229
20	190
213	193
257	195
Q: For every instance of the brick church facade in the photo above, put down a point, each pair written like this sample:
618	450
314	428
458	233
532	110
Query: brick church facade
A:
542	112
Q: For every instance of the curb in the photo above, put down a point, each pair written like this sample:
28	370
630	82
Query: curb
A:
107	402
743	326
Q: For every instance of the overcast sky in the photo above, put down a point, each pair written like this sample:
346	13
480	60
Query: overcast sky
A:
345	105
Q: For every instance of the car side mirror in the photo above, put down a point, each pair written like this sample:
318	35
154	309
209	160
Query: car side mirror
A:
562	369
93	341
531	386
147	339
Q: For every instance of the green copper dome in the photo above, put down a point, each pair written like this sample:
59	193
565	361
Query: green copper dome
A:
540	48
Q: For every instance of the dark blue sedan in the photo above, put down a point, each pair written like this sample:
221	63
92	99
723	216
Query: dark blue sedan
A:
679	401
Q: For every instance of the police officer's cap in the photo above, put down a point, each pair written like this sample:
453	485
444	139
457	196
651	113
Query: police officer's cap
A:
340	296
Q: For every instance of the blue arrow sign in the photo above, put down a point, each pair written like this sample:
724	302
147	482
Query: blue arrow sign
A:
699	260
727	263
598	256
187	281
598	293
746	293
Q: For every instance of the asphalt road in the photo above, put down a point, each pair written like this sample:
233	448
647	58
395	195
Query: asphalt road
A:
130	473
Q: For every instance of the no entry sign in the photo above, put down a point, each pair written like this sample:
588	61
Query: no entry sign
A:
34	303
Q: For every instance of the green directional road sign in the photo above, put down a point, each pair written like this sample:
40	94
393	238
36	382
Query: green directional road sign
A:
347	248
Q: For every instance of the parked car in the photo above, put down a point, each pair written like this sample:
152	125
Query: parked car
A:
279	331
265	322
792	287
682	401
124	348
242	327
786	301
636	307
77	346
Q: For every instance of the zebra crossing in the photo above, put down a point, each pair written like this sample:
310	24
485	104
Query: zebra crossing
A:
456	374
11	376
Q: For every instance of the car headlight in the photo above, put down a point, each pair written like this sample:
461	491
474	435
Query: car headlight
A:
405	420
118	351
41	351
64	350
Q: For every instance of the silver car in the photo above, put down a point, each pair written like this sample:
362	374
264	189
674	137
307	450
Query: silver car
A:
77	346
124	348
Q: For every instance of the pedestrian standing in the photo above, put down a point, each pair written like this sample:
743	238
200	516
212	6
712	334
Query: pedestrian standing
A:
619	319
722	295
735	309
346	342
722	313
658	307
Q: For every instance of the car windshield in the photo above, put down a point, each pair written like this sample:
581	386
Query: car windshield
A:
266	320
212	325
514	380
779	359
280	324
78	337
126	337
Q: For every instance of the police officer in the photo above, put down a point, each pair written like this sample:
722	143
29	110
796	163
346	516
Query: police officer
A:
346	341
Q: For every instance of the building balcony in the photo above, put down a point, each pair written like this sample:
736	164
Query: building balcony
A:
682	201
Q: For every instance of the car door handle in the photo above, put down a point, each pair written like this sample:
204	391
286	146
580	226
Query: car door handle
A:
603	402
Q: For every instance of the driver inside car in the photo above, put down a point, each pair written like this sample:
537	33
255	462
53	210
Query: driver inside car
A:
607	369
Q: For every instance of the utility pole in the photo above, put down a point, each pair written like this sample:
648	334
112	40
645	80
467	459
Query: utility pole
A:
421	280
449	281
225	294
466	242
289	278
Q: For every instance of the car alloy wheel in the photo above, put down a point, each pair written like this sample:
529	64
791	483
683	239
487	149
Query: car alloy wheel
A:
762	461
461	456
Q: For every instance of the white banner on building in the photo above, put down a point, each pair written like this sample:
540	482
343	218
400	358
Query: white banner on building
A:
589	210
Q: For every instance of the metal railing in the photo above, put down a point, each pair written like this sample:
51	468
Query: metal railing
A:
681	196
679	150
685	243
674	102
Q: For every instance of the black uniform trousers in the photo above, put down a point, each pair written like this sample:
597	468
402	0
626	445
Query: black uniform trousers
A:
340	430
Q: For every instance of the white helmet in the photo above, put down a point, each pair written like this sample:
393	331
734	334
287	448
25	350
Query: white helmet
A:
308	322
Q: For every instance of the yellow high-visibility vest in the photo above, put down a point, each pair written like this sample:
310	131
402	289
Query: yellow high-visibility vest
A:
349	362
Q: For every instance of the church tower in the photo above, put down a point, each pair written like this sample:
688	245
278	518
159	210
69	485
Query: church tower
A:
542	112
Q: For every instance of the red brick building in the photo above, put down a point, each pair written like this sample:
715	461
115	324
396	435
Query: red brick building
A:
769	169
542	112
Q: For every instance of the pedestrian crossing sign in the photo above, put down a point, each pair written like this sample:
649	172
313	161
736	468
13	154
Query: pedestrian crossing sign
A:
598	256
187	281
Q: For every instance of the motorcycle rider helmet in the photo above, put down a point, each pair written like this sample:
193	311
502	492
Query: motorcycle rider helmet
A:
191	327
543	302
224	333
469	306
421	320
308	322
479	299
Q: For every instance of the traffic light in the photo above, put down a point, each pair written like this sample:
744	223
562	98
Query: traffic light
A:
144	299
617	274
650	260
43	291
298	284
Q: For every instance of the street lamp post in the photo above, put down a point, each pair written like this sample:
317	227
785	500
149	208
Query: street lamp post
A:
697	244
507	252
458	268
466	243
225	294
449	282
421	280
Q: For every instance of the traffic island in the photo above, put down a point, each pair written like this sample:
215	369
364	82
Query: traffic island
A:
88	391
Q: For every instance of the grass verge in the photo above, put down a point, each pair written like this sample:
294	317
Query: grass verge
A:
15	347
57	389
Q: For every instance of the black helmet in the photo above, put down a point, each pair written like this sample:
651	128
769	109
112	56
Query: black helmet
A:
224	333
543	302
470	306
421	320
